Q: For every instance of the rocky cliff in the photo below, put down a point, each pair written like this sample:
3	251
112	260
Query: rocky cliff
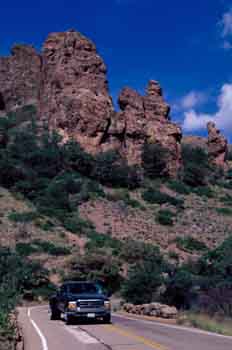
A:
217	147
68	84
20	76
145	119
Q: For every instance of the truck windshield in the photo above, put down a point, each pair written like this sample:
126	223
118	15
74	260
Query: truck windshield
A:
80	288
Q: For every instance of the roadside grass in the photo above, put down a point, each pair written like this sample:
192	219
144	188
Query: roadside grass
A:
205	322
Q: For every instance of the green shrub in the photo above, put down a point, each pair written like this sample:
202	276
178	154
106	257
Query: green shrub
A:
190	244
180	288
55	176
38	246
224	211
179	187
46	225
76	158
18	278
216	265
111	170
124	195
197	169
225	184
173	255
23	217
78	225
157	197
204	192
25	249
165	217
147	268
227	199
228	175
97	240
21	115
137	252
99	266
142	282
50	248
154	160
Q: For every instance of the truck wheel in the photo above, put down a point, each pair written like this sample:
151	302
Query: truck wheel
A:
107	319
68	319
55	314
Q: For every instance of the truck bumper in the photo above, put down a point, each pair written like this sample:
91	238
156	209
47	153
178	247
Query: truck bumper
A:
89	315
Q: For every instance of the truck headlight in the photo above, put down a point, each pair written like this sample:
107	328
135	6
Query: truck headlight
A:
72	305
107	305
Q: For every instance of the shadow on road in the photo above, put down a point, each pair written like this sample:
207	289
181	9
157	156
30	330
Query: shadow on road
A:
86	322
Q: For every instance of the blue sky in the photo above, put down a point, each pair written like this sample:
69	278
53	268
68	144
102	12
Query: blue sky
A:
186	45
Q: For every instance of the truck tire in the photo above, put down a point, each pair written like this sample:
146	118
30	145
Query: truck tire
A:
107	319
68	319
55	314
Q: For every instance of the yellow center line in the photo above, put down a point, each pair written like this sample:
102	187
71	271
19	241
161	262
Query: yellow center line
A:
129	334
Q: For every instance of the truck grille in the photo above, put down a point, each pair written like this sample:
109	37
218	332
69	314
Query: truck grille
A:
90	304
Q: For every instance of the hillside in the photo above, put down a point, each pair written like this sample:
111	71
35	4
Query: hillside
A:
87	192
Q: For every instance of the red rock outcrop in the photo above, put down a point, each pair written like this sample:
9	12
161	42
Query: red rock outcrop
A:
217	147
74	93
145	119
195	142
68	84
20	76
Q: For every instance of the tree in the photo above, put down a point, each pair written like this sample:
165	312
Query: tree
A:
196	166
154	160
142	282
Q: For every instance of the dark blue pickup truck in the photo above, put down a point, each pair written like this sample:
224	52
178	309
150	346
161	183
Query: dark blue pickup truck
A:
80	300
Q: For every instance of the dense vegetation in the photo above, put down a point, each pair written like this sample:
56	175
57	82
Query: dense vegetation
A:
56	177
19	278
205	285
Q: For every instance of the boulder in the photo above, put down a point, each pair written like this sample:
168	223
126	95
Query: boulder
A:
152	309
168	312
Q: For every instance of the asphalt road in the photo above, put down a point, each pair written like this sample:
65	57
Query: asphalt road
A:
124	333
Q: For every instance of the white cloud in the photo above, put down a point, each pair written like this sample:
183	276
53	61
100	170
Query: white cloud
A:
194	121
226	23
226	29
193	99
227	45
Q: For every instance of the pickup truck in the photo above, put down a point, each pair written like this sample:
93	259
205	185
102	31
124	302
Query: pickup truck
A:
80	300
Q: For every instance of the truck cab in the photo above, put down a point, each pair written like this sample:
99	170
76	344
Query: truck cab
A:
80	300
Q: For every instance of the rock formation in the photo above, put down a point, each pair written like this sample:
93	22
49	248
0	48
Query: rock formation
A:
193	141
217	146
67	82
74	92
145	119
19	78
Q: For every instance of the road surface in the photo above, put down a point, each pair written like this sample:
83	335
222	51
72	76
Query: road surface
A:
125	333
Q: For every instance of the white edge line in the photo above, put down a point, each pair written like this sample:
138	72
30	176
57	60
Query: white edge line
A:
40	334
191	330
